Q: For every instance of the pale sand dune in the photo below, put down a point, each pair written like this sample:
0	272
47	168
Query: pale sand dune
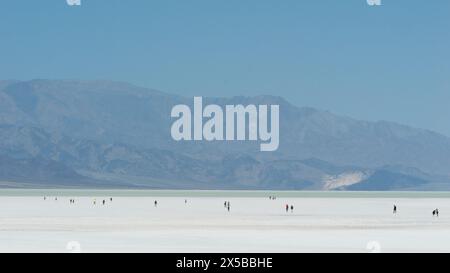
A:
133	224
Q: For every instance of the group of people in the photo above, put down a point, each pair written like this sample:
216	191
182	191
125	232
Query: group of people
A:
226	204
435	212
287	208
72	201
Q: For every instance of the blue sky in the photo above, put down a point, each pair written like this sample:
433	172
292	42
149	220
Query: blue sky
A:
375	63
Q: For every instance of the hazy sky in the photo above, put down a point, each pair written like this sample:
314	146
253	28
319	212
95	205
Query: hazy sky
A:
377	63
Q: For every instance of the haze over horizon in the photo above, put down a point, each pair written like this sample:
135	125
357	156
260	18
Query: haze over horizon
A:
111	134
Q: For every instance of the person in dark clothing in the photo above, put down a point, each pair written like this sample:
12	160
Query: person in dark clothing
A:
292	208
395	209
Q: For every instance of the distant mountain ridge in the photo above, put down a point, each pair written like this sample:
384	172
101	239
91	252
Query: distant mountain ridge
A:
117	134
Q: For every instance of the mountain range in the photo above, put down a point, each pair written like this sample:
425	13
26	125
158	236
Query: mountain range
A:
105	134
